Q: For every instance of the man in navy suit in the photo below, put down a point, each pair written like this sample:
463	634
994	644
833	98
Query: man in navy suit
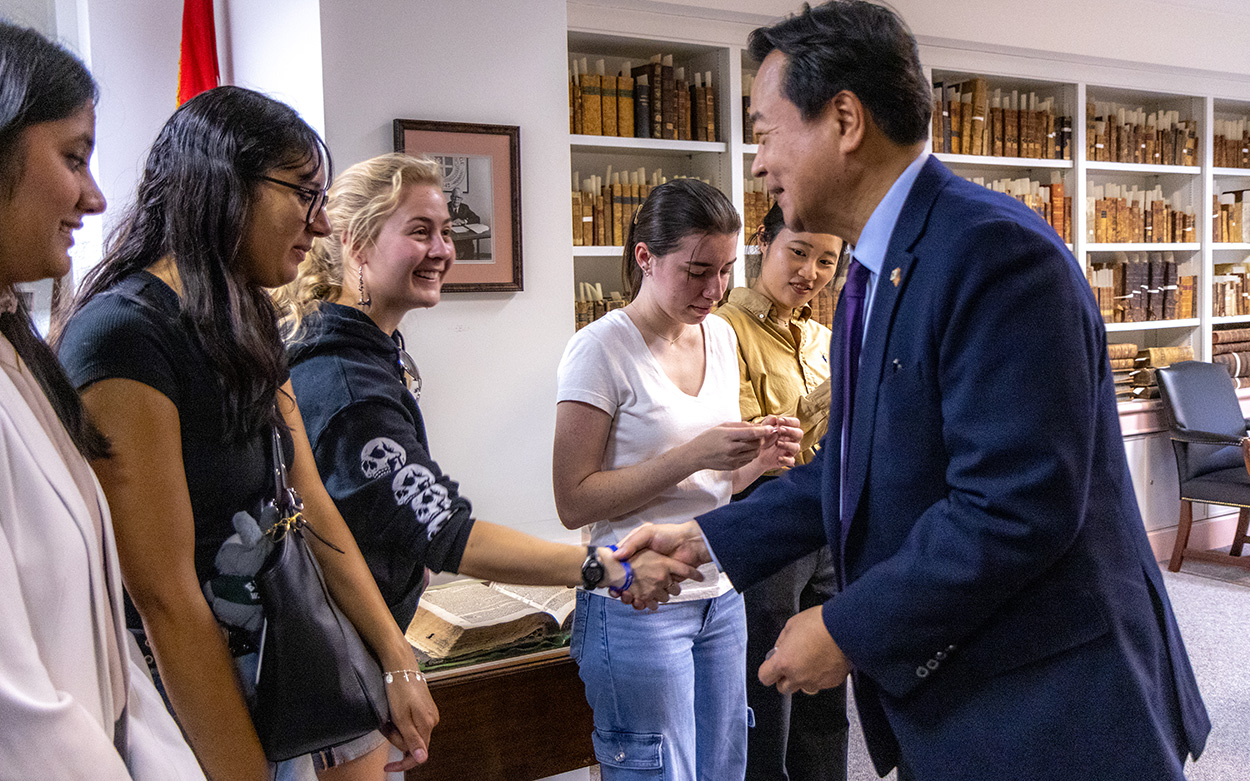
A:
1003	616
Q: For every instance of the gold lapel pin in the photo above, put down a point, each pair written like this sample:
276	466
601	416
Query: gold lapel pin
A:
896	276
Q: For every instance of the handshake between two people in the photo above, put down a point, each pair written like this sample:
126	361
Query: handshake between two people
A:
663	555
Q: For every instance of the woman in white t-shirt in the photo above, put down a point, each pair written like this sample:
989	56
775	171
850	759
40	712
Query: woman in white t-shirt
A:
648	429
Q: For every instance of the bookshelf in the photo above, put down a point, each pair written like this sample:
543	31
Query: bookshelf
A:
1092	102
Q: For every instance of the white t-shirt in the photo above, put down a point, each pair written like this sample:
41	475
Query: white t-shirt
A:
608	365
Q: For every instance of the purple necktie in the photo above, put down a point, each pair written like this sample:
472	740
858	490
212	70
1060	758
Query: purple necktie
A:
853	294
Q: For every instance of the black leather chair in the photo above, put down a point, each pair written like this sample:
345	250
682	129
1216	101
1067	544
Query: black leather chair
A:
1209	436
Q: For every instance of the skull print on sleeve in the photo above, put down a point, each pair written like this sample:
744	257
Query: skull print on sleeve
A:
405	513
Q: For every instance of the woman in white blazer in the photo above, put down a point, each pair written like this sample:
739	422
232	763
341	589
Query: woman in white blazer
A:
75	702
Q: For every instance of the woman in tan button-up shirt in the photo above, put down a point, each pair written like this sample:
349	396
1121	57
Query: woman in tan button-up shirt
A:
783	363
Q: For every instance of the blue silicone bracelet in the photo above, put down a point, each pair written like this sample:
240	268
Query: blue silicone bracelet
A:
629	577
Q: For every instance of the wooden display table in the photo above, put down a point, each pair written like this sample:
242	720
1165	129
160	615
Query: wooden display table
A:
515	719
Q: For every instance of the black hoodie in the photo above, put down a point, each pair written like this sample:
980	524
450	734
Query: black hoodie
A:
368	437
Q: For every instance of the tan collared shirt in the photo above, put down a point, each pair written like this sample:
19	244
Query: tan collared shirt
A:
783	368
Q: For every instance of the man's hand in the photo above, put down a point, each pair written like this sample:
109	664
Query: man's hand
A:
680	541
655	579
805	658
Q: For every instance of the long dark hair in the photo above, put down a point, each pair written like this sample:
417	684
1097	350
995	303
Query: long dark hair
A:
40	82
193	204
673	211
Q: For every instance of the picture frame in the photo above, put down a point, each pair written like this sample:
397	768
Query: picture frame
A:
482	182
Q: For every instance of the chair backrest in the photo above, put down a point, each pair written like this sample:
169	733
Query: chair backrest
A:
1200	396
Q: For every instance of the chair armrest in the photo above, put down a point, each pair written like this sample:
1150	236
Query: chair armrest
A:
1204	437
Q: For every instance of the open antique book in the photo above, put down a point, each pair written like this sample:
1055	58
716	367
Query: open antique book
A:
468	620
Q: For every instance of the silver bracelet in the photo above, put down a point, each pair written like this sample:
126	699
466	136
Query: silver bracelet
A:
415	674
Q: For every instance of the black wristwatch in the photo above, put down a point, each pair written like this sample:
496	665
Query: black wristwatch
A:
593	570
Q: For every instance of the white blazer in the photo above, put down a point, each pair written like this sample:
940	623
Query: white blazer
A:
56	702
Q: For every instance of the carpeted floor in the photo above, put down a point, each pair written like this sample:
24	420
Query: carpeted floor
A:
1212	605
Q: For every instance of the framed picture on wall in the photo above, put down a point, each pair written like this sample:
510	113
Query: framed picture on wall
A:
482	182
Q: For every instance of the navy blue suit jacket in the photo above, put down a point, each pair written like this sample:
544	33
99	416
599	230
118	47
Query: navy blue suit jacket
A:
1003	613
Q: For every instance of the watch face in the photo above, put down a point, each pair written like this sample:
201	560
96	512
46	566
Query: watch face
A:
592	571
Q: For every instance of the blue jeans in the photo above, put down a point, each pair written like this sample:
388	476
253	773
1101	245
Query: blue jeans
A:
666	688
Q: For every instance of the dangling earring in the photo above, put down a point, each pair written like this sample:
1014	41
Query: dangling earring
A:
363	299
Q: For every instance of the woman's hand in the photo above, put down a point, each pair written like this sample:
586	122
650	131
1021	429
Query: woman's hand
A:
729	446
656	579
413	716
782	445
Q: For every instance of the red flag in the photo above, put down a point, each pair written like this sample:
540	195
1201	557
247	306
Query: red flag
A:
197	65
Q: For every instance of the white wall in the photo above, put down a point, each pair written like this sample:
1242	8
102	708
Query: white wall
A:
274	48
31	13
488	360
1206	34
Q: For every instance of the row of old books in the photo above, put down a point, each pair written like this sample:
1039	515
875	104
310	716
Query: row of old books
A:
1048	200
1230	218
1122	358
1136	287
969	119
604	206
1119	213
1230	290
1231	145
1144	385
591	304
756	203
1119	134
654	100
1231	347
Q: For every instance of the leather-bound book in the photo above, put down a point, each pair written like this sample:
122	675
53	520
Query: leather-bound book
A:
653	74
698	105
577	219
607	88
624	106
980	109
592	105
642	107
668	98
710	104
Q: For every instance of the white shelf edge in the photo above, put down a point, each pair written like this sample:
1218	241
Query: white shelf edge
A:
1153	325
1242	172
625	144
1230	319
984	161
1142	168
1144	246
597	252
1230	245
753	149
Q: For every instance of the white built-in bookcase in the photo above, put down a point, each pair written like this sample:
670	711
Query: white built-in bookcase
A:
1073	82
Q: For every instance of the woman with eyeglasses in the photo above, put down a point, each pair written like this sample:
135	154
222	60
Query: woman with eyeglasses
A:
174	345
359	392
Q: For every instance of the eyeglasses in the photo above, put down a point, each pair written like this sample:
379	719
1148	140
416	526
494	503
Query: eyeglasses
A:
412	375
316	199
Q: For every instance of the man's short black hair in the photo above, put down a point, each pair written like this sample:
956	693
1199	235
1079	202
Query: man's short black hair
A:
856	46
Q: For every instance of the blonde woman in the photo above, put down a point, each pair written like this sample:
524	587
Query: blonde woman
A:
358	391
783	365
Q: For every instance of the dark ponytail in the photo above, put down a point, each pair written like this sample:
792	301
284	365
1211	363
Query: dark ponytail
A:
40	82
673	211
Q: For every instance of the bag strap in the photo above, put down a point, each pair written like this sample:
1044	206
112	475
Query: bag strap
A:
286	498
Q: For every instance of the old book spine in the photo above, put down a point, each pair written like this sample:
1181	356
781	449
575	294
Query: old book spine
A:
980	108
698	104
624	106
668	102
577	219
592	105
642	108
966	112
618	213
607	89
